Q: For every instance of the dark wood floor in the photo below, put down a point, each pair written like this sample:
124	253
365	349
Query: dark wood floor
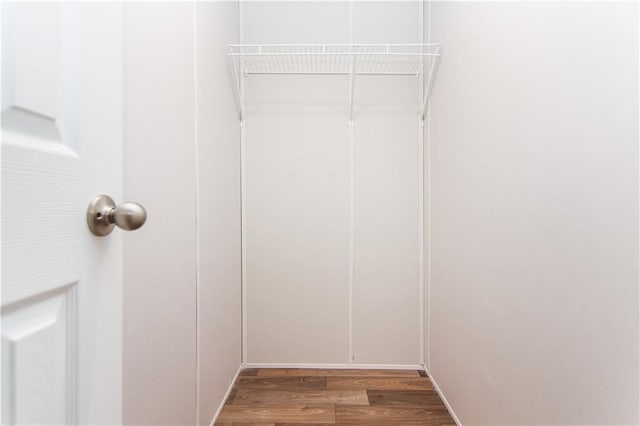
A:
279	397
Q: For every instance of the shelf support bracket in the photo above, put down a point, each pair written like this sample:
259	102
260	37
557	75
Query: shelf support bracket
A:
239	88
352	77
427	90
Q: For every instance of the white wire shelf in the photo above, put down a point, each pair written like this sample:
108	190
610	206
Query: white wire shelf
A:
335	59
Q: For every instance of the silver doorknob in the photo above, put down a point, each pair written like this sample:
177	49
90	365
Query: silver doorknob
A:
103	215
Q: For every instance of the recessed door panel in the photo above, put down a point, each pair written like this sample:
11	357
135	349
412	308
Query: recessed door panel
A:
38	345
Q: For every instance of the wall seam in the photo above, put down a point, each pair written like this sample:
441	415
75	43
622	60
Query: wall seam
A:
428	207
197	201
351	208
351	239
421	291
243	202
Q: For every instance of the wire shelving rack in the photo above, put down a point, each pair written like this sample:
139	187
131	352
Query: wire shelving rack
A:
335	59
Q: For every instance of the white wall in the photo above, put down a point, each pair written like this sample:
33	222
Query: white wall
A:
219	252
298	171
386	286
534	212
182	269
160	258
297	228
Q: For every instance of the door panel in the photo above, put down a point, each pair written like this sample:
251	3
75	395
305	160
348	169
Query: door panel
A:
38	347
61	146
41	203
41	232
32	47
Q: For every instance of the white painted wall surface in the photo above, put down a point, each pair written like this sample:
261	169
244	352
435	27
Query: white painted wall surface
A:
160	173
386	302
534	212
182	274
297	224
219	251
386	216
298	195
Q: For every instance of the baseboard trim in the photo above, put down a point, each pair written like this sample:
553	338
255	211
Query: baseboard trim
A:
444	399
337	366
226	395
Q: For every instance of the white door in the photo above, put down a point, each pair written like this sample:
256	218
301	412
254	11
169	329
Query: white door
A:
61	146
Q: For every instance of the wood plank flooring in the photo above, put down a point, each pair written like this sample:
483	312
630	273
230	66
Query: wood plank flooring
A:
281	397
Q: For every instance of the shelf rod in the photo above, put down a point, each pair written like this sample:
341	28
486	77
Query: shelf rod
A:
417	55
408	74
241	45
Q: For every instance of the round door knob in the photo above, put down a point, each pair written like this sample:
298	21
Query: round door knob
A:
103	215
129	216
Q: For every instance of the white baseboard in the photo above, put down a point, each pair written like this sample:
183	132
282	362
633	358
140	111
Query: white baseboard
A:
337	366
444	399
226	395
